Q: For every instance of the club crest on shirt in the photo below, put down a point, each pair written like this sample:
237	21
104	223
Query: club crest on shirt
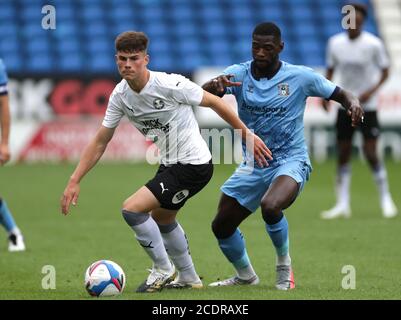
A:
283	89
158	104
250	88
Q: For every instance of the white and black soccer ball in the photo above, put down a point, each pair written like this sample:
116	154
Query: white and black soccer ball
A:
104	278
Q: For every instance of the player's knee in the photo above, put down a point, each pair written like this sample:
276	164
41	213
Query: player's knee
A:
220	229
216	228
134	218
126	206
132	206
270	207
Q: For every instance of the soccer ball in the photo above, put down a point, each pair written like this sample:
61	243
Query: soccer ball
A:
104	278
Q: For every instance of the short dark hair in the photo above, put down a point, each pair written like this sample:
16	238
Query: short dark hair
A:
361	8
267	29
131	41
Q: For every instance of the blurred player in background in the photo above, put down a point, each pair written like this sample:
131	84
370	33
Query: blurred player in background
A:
359	59
15	238
159	104
271	97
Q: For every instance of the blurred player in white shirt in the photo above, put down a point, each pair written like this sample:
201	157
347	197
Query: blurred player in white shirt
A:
15	238
359	59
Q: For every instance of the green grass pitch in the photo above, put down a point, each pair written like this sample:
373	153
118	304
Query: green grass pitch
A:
96	230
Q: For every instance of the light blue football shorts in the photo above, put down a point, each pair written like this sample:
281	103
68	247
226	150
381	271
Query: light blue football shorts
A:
248	185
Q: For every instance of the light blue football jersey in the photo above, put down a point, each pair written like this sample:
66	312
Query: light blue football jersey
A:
3	78
274	108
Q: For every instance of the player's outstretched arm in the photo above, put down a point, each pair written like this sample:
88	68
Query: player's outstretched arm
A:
5	129
218	85
350	103
260	151
90	156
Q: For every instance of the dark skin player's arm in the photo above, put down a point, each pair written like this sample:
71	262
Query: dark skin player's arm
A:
349	103
218	85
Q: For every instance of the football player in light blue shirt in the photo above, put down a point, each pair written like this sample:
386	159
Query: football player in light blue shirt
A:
16	242
271	96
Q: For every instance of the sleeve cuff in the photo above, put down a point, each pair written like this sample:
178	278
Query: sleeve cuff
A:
336	90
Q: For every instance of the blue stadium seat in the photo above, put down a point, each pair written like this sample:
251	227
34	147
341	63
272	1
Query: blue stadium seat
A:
182	12
271	3
70	62
40	63
8	28
302	14
242	30
193	61
183	34
95	29
156	29
214	29
86	2
331	13
217	46
242	50
152	14
271	13
117	3
222	59
32	29
332	29
65	12
287	56
69	46
91	12
240	13
300	3
159	46
13	62
9	45
101	63
31	12
121	13
310	43
313	59
184	28
210	13
162	62
38	45
65	29
303	29
7	11
122	26
371	28
55	3
189	46
98	45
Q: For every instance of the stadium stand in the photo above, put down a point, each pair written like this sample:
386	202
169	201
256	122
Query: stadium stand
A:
389	18
184	34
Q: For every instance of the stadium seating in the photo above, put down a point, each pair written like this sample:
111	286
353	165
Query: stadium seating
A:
184	34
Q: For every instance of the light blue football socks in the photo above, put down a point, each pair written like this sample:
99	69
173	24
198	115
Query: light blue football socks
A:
233	248
278	233
6	218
